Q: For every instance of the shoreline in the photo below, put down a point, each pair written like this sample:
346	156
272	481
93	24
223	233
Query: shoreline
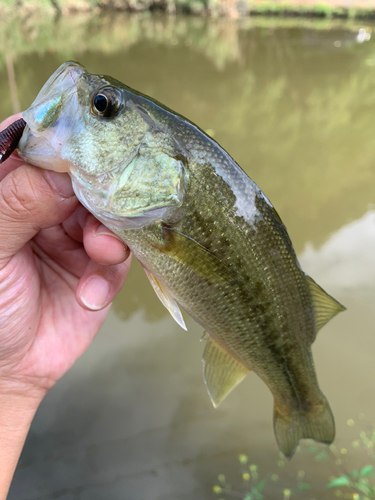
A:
333	9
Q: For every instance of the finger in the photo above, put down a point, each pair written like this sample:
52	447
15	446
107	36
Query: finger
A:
14	160
74	225
8	121
99	284
103	246
62	250
31	199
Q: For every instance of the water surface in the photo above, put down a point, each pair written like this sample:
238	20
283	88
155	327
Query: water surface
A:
294	105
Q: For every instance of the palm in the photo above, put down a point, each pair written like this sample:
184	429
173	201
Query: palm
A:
45	323
47	272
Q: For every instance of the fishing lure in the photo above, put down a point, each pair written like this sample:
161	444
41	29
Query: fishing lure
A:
9	138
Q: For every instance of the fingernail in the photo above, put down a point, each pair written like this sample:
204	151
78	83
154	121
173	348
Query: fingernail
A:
95	293
60	183
104	231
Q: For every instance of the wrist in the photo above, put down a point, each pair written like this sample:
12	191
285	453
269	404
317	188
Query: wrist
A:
24	392
18	407
19	403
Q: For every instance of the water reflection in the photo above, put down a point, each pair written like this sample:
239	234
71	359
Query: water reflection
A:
347	258
132	419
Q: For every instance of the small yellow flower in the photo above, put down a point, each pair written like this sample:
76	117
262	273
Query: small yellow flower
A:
287	493
301	474
253	468
343	451
217	489
351	422
243	459
245	476
274	477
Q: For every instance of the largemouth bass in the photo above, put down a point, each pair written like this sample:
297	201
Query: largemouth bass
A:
208	238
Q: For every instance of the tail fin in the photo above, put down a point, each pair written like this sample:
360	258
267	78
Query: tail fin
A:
316	423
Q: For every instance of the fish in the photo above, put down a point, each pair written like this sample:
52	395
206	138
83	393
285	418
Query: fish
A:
208	238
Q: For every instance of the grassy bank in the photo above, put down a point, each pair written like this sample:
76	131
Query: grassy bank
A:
347	9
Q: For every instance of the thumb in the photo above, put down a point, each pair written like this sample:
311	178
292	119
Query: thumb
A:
31	199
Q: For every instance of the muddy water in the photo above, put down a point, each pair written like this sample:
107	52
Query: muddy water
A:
294	105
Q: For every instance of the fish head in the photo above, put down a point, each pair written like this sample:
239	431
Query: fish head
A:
99	131
52	119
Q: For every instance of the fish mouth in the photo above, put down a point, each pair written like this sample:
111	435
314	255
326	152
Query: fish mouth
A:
52	119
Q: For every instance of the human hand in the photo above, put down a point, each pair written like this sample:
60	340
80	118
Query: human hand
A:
59	270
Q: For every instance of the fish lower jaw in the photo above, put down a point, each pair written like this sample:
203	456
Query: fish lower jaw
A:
40	152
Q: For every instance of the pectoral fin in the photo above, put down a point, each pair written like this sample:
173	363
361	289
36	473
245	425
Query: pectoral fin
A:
325	306
221	371
166	299
192	254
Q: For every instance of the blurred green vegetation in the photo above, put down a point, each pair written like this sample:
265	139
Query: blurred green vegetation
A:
354	475
218	39
232	8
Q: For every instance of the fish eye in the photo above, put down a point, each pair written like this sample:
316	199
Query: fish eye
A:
106	102
100	103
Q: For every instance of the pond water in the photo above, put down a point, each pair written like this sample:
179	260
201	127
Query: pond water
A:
293	103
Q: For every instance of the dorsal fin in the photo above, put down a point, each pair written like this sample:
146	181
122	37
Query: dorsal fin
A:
166	299
325	306
221	371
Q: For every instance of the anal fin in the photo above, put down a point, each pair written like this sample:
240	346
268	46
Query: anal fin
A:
221	371
205	336
166	299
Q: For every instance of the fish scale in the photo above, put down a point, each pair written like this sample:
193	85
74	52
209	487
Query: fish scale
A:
209	239
238	253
